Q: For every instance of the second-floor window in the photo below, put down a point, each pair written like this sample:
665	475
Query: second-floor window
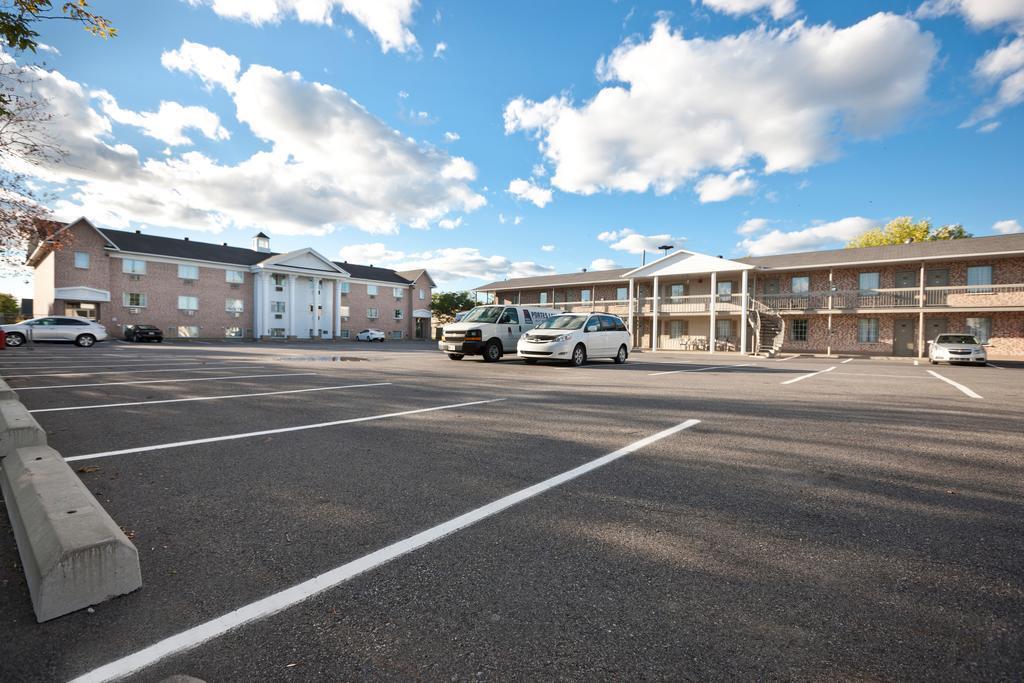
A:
188	272
674	290
423	295
188	303
344	288
543	297
584	295
234	305
398	314
621	293
372	314
343	311
134	299
371	290
279	280
235	277
979	276
277	307
133	266
82	259
398	292
869	282
800	284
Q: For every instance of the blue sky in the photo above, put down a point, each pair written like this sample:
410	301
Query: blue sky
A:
586	131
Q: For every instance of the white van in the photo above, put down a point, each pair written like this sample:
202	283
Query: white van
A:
491	331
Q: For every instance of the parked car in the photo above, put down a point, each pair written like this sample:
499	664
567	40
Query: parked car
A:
956	348
490	331
576	338
81	331
370	335
143	333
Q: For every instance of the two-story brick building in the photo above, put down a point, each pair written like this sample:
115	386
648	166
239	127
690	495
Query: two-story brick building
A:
203	290
876	300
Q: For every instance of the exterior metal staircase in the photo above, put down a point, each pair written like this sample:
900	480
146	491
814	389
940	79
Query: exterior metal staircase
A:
769	328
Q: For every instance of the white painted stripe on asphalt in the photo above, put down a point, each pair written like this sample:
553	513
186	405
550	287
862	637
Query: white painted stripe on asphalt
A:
845	361
779	360
993	365
208	398
280	430
222	378
710	367
810	374
876	374
116	364
220	366
276	602
959	386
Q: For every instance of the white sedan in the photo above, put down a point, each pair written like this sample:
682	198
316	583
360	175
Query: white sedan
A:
956	348
370	335
576	338
82	331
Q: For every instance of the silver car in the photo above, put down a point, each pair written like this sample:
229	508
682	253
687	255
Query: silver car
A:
956	348
81	331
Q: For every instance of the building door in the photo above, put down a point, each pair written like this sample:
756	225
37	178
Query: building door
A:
82	309
421	328
933	327
938	277
904	342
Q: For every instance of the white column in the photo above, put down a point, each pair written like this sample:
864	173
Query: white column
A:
831	290
654	315
337	308
629	325
257	305
316	307
714	300
920	313
292	283
328	298
743	313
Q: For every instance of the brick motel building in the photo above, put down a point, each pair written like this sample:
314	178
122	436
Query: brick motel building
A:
195	289
875	300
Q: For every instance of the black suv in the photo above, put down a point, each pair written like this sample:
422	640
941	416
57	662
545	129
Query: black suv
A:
141	333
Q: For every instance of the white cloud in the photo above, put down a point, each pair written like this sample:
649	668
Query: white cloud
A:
989	127
835	233
168	123
212	65
753	225
388	20
547	247
980	14
501	218
538	171
449	224
374	253
48	48
451	137
1002	68
403	94
632	242
674	108
603	264
778	8
718	188
526	189
326	163
517	220
446	264
439	49
1007	227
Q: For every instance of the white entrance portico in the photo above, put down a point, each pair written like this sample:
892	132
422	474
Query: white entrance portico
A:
296	296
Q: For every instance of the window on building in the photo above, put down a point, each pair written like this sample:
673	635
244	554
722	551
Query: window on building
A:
235	277
621	293
725	292
344	312
543	297
372	313
188	330
345	334
981	328
277	332
134	300
676	290
397	291
723	329
397	334
423	295
344	288
869	282
371	290
188	303
798	330
188	272
979	275
82	259
233	332
584	295
279	281
678	328
867	330
133	266
398	314
800	284
237	306
277	307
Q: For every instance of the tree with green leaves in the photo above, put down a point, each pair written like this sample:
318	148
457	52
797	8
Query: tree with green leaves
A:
444	305
10	309
904	229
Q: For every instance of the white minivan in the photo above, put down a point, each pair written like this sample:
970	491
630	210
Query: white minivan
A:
491	331
576	337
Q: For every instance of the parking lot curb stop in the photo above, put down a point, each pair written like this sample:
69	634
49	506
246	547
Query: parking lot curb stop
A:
18	428
6	393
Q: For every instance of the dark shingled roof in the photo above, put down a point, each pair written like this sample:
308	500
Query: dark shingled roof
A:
896	252
590	277
372	273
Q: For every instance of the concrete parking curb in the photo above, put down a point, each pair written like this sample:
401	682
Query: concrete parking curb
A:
6	393
73	553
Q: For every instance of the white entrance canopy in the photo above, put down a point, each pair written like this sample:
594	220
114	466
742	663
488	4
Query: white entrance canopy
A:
82	294
684	262
421	313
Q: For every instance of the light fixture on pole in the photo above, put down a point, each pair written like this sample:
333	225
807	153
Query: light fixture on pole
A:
667	248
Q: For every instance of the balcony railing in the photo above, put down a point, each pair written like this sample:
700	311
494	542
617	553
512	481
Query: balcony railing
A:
972	296
615	307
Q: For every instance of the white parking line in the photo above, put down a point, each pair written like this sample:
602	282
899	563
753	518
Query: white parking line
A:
208	398
280	430
115	364
710	367
959	386
993	365
223	378
780	360
810	374
220	366
845	361
276	602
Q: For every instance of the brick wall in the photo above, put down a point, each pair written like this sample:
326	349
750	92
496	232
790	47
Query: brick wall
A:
359	301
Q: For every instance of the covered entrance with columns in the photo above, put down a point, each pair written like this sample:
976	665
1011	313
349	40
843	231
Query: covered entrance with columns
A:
297	296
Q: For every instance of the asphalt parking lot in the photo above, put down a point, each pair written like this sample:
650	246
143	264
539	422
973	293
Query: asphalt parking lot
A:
329	512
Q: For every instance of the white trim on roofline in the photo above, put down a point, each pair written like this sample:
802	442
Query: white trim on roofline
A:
616	280
912	259
379	282
177	259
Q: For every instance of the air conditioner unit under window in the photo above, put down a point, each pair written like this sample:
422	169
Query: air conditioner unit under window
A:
134	277
238	315
190	312
133	310
235	286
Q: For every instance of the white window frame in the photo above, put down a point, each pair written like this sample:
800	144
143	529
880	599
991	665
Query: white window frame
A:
126	299
185	307
345	288
229	274
869	289
975	327
585	295
185	270
239	308
133	266
543	297
863	338
802	290
345	312
81	256
372	313
189	334
371	290
397	291
423	295
277	307
399	315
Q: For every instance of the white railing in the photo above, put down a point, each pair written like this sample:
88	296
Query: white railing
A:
613	306
979	296
904	297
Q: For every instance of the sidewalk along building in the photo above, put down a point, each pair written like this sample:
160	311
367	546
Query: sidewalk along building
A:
886	300
202	290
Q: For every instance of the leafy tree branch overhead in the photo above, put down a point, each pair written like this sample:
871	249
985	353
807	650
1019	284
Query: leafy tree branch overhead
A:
903	230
